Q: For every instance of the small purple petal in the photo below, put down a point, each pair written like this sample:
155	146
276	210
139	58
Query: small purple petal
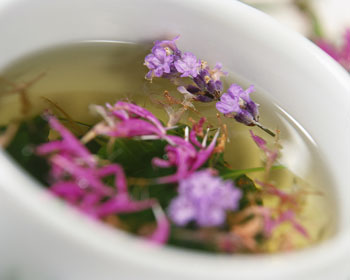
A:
237	103
188	65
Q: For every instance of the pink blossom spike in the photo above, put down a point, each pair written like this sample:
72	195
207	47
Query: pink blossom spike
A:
70	191
81	173
50	147
120	180
140	112
161	163
261	143
69	142
162	232
122	204
132	128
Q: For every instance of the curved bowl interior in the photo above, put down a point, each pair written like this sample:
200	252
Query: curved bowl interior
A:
297	76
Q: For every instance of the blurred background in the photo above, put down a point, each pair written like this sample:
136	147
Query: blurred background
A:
326	22
333	15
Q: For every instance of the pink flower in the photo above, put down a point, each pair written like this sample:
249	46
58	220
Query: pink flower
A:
79	180
126	120
184	155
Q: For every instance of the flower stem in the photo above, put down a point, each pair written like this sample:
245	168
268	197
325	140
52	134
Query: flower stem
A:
268	131
239	172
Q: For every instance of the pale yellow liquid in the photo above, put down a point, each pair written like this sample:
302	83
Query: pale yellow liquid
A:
87	73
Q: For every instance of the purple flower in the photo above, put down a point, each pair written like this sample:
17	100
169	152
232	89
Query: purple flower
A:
188	65
168	45
158	62
341	54
237	103
207	86
216	73
205	199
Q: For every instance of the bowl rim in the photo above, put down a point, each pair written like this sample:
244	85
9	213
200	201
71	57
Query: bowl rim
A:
33	199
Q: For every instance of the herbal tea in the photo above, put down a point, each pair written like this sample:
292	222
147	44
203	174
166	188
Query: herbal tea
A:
184	157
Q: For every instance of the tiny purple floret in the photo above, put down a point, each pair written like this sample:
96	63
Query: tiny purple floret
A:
158	62
236	103
188	65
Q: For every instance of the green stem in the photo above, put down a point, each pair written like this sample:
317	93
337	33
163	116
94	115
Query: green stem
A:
239	172
268	131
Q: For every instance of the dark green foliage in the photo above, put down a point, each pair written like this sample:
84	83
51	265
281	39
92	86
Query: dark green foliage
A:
136	157
30	134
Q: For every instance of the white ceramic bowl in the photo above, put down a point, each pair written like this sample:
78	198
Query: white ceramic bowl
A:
40	239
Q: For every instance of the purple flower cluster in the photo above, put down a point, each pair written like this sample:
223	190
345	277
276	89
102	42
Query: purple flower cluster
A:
167	61
187	155
205	199
78	178
341	54
236	103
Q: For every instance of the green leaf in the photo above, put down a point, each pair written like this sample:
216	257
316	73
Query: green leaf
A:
30	134
233	174
136	157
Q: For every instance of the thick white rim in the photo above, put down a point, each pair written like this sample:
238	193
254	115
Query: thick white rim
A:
26	194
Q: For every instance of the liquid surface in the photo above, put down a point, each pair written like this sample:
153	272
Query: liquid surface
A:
75	76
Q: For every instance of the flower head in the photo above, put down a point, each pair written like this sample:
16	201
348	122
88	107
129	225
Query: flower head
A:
204	198
188	65
168	45
78	179
126	120
158	62
187	155
237	103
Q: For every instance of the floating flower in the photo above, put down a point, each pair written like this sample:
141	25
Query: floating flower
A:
184	155
205	199
271	154
126	120
168	45
158	62
188	65
207	85
236	103
78	179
